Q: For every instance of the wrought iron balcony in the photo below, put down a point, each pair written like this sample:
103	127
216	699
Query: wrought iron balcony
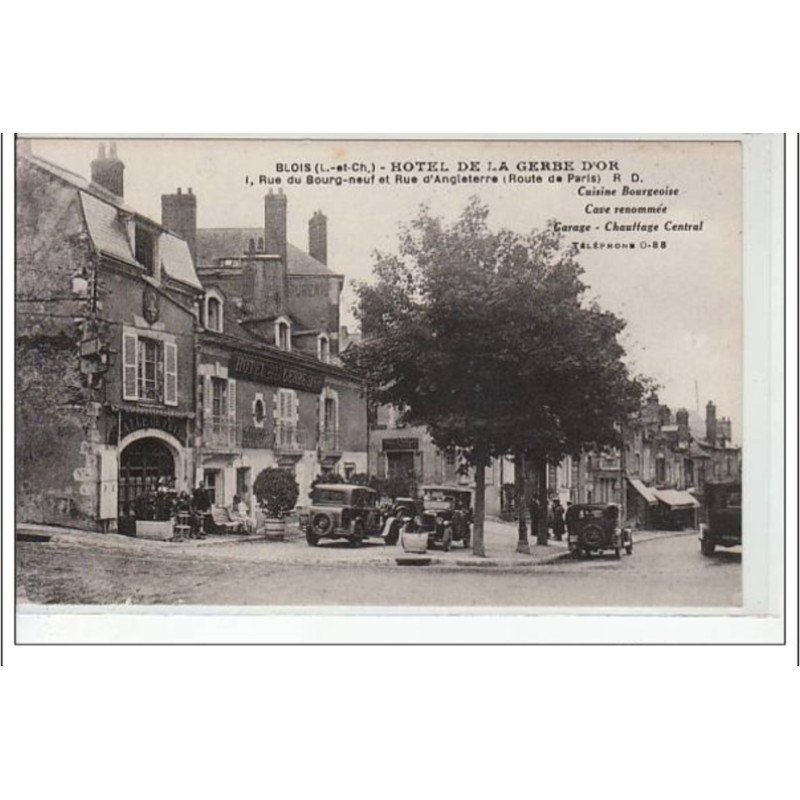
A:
257	438
221	434
288	438
330	441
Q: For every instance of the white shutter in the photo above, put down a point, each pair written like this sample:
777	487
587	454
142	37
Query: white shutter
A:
130	366
232	400
170	374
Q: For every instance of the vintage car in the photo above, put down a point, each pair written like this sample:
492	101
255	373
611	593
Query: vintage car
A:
341	511
724	527
446	515
594	528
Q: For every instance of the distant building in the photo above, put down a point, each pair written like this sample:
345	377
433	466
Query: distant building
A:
663	469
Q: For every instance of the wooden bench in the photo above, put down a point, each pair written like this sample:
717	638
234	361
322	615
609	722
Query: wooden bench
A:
221	521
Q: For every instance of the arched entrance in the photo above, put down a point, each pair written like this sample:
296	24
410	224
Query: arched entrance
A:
141	464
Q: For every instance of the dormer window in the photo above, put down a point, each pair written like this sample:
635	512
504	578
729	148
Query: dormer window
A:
283	334
144	246
214	314
212	318
323	348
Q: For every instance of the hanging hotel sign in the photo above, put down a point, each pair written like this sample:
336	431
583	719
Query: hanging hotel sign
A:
256	369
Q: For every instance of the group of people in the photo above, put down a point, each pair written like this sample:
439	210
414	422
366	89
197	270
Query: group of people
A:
195	508
556	516
192	510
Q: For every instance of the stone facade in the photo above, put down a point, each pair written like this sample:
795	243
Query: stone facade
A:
134	366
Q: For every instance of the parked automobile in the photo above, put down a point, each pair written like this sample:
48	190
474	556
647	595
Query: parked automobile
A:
446	515
341	511
724	527
593	528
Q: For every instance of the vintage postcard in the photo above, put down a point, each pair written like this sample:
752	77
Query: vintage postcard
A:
468	375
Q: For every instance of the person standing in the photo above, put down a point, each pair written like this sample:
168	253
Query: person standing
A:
558	520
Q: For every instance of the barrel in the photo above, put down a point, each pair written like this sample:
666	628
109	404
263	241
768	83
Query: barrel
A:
274	529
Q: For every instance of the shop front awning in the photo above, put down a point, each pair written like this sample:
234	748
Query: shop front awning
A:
676	500
646	492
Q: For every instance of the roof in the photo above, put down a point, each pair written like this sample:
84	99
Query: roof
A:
675	499
214	244
106	229
645	491
79	181
696	452
109	234
176	259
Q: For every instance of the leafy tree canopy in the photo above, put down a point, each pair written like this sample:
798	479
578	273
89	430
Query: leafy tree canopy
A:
486	338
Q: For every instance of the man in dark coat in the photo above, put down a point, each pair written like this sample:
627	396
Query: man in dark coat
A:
558	520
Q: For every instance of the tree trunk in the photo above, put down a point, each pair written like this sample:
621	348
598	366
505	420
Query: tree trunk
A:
478	548
541	480
519	486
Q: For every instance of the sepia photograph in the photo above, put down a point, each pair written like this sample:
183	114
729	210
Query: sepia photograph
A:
380	374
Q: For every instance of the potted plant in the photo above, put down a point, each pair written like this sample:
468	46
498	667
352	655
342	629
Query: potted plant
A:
276	491
154	511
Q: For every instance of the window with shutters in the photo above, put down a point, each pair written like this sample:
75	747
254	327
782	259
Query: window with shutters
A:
149	368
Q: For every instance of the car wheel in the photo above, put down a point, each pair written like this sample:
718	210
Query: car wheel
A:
356	533
587	553
707	547
312	539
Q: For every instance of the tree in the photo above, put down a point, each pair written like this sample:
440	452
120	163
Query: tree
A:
484	338
276	490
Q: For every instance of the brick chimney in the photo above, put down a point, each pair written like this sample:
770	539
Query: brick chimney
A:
107	170
711	423
275	225
318	237
682	421
179	214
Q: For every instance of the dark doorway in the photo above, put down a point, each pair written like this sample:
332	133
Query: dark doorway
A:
141	465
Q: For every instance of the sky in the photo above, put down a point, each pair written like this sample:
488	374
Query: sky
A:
683	303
